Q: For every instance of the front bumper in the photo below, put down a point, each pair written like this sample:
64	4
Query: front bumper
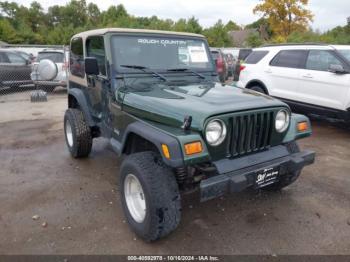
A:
239	174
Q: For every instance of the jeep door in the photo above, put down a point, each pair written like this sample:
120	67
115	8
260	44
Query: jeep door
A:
283	71
97	88
318	86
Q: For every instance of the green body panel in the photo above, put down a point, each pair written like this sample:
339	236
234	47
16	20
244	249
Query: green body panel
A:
164	107
185	138
170	105
293	133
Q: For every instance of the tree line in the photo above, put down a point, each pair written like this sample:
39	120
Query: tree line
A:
34	25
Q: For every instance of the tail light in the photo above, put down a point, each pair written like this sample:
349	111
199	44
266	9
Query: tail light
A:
219	65
241	68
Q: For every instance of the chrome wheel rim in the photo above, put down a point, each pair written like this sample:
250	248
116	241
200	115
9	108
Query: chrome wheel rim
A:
135	198
69	134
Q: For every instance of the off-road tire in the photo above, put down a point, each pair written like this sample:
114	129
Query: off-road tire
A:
289	178
258	89
38	96
163	201
82	139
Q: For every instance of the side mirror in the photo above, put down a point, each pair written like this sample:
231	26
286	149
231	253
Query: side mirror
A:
91	66
337	69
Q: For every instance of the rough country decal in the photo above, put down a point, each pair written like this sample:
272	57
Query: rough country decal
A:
160	41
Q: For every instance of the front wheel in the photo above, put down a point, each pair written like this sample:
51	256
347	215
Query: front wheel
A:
77	133
150	196
289	178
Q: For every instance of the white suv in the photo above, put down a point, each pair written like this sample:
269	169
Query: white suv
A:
310	78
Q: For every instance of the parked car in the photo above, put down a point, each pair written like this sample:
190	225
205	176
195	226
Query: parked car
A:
310	78
50	69
29	57
221	63
230	64
176	127
14	70
231	50
243	53
238	55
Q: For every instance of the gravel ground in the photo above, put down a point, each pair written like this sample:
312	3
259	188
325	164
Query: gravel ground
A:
79	212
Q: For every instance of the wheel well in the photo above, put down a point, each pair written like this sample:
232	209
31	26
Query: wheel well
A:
72	102
136	143
257	83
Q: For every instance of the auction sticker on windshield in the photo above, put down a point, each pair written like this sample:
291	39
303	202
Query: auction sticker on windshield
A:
198	54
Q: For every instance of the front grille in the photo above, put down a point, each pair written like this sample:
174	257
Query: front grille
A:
250	132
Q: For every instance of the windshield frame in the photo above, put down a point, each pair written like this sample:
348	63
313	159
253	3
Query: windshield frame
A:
163	70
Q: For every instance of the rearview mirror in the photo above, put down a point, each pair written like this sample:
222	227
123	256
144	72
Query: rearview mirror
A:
91	66
337	69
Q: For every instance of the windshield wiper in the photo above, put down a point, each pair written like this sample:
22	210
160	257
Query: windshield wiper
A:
188	70
146	70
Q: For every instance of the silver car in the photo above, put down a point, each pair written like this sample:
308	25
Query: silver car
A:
50	69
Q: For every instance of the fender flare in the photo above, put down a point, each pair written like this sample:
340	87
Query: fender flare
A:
83	105
156	137
260	83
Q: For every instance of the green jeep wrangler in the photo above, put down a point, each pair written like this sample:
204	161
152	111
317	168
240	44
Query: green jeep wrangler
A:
155	96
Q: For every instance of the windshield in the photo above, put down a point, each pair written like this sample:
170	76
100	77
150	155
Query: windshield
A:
55	57
24	55
160	53
346	53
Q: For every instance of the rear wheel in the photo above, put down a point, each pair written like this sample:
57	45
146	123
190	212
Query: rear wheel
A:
289	178
77	133
150	195
258	89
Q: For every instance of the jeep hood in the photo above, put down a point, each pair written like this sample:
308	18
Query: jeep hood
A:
170	104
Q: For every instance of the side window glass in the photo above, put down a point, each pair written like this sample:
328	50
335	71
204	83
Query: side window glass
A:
255	57
290	59
76	61
321	60
95	48
16	59
4	59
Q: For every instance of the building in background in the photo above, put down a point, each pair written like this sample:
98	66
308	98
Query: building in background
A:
239	38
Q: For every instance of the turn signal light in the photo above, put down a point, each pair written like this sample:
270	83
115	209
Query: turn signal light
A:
193	148
166	152
303	126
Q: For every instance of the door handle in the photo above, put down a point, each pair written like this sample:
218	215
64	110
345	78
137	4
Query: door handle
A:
308	76
269	71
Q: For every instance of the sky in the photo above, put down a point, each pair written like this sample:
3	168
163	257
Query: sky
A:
328	13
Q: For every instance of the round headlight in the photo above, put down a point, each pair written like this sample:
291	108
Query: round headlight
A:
282	121
215	132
